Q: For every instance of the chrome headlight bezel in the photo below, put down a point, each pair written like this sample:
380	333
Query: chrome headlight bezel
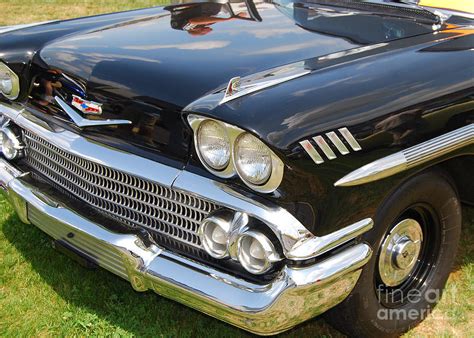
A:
15	82
233	133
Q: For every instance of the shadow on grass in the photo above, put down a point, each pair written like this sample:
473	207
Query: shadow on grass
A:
146	314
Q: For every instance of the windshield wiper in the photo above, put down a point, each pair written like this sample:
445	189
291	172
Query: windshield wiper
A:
403	8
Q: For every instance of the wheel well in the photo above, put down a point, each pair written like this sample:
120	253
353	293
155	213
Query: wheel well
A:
461	170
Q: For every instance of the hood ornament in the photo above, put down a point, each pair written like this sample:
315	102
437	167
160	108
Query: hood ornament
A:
239	87
82	122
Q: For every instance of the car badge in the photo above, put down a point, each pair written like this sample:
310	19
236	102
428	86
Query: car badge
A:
82	122
86	107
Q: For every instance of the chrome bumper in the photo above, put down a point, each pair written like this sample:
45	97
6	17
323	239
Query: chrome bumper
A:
296	295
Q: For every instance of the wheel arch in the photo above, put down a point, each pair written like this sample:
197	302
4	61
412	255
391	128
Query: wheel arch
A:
461	171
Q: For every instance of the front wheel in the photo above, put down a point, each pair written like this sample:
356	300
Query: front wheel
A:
415	240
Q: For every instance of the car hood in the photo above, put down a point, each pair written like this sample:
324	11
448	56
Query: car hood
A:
150	58
146	69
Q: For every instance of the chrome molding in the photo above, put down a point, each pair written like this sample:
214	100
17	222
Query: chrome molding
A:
82	122
312	152
350	139
325	145
338	143
239	87
411	157
318	245
261	309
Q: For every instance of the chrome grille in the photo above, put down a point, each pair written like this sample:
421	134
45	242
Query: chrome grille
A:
137	202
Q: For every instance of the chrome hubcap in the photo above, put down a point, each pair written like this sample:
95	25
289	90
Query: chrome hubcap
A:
400	251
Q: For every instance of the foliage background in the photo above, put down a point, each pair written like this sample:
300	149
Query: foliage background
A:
43	293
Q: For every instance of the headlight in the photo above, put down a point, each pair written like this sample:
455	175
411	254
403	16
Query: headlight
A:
226	150
256	252
253	159
213	145
9	83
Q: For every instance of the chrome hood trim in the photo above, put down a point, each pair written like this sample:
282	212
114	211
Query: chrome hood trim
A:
239	87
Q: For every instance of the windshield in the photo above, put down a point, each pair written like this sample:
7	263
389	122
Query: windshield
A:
361	27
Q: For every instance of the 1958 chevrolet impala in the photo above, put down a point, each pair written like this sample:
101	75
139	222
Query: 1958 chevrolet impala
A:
262	162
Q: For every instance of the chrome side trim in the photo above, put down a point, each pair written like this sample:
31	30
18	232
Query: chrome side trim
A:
324	146
312	152
261	309
350	139
410	158
82	122
338	143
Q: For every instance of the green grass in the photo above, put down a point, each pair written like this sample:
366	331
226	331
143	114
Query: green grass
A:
43	293
25	11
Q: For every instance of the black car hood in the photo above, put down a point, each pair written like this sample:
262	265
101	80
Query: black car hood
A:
148	58
147	69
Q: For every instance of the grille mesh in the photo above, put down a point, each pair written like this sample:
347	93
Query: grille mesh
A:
169	214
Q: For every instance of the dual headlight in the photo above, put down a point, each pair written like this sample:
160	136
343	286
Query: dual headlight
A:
226	150
9	83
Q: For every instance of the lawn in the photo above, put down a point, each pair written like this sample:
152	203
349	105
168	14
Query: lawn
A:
45	293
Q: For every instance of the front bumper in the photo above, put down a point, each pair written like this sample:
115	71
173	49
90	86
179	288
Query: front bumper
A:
296	295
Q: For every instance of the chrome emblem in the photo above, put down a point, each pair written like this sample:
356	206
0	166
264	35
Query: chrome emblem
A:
233	87
82	122
86	107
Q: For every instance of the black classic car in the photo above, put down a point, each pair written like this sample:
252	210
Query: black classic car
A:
262	162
